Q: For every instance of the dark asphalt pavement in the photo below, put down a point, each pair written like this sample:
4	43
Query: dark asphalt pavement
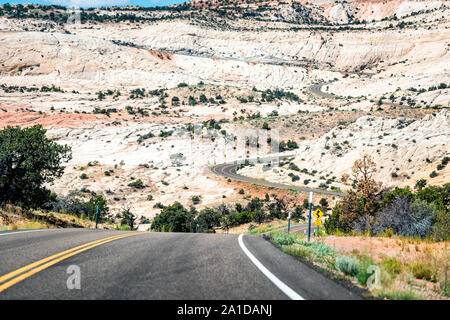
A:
158	266
228	170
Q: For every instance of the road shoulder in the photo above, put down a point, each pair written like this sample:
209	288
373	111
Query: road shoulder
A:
298	275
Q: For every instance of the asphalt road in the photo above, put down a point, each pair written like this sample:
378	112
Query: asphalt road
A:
155	266
316	89
228	170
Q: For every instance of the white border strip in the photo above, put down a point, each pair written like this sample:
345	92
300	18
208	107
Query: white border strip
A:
280	284
11	233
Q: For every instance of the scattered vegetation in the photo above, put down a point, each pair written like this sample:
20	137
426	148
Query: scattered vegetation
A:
175	217
369	208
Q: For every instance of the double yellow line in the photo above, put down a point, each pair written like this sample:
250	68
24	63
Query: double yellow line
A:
21	274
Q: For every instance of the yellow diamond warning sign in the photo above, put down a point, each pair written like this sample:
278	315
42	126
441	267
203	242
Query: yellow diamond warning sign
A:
318	213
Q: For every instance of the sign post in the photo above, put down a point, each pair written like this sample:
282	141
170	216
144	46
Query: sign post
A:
309	218
289	222
318	214
96	216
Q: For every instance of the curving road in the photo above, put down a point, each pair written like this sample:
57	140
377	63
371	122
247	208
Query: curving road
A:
228	170
142	265
316	89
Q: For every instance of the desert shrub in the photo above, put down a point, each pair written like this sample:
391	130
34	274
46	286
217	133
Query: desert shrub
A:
293	177
279	208
323	202
390	196
421	270
363	224
298	251
420	184
334	223
208	219
287	145
192	101
93	203
399	295
392	265
243	217
196	199
226	222
285	239
347	265
165	134
363	274
138	184
254	205
293	244
259	216
445	161
158	205
144	220
74	204
128	218
407	219
439	195
442	226
298	213
319	251
175	101
123	227
174	218
305	203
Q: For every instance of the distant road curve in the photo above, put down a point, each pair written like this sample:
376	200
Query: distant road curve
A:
316	89
228	170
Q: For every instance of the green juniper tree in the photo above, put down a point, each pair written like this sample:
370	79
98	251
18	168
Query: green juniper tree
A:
28	160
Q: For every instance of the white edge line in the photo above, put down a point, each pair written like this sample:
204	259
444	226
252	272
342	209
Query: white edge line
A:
11	233
280	284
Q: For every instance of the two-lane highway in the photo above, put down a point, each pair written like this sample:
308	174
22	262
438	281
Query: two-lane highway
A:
131	265
228	170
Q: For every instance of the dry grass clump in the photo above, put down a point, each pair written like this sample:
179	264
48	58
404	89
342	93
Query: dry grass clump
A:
14	218
410	267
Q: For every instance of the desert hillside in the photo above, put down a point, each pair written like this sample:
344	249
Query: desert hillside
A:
125	87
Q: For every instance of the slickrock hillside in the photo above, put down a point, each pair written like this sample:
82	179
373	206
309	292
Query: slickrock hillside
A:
405	151
124	87
340	12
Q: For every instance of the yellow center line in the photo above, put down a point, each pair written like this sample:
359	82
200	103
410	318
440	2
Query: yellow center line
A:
30	266
54	259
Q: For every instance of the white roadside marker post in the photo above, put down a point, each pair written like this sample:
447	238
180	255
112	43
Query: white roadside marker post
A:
289	222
